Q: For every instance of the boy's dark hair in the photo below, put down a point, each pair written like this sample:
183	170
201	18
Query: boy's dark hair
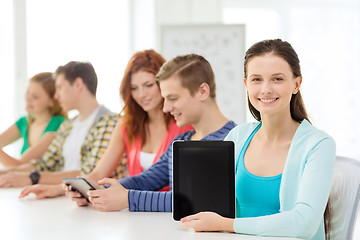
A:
83	70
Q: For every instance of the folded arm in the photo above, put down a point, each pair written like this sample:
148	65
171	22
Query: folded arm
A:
33	152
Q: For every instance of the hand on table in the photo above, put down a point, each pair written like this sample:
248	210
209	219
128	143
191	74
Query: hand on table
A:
43	191
208	221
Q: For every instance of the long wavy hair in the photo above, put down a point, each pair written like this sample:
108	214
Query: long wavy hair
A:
284	50
47	81
133	117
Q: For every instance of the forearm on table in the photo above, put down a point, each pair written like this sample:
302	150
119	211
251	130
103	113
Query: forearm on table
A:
149	201
7	160
227	224
96	175
22	168
56	177
58	190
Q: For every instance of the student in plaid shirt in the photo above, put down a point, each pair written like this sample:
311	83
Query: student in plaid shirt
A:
80	142
144	128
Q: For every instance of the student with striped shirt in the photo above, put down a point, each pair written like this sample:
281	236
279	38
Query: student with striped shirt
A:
188	86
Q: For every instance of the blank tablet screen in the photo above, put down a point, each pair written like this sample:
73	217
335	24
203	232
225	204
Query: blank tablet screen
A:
203	178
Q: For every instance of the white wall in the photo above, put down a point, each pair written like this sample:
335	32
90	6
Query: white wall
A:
326	36
325	33
20	54
8	97
196	27
186	12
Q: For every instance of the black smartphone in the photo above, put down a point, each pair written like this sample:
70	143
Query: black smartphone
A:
80	185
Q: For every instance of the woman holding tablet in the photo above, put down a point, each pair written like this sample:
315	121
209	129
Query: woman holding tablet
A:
284	165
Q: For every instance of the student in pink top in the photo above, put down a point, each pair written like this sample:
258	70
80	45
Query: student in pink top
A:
134	151
144	131
145	128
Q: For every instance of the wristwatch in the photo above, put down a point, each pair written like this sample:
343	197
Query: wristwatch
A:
34	176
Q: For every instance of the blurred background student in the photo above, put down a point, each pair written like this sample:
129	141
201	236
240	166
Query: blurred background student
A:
38	128
144	131
79	142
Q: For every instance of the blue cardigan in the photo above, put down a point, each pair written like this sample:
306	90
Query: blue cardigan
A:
305	185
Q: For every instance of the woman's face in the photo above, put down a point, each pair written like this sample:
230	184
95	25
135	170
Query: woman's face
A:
145	91
270	84
37	99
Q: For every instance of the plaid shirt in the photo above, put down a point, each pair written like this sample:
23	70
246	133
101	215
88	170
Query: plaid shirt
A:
94	146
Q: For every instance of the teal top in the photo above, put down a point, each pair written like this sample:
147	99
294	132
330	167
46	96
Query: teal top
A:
22	125
304	188
255	196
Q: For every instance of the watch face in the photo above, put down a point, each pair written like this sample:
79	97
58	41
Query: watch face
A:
35	176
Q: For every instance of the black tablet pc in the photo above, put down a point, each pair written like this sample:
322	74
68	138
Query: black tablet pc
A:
80	185
203	178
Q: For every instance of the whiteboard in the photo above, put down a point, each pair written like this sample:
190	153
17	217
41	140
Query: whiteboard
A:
224	47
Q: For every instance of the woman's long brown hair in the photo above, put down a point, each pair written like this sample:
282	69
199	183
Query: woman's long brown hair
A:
133	117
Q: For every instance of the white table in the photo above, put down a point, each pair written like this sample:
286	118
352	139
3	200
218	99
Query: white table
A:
60	218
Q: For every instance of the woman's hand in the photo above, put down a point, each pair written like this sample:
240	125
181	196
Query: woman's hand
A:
43	191
208	221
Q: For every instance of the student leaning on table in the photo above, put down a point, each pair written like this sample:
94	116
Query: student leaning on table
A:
144	131
188	86
38	128
80	142
284	165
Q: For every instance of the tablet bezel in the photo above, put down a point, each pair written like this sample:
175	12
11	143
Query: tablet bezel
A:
229	146
80	185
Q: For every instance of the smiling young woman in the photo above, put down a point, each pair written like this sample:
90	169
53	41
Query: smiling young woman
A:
284	165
